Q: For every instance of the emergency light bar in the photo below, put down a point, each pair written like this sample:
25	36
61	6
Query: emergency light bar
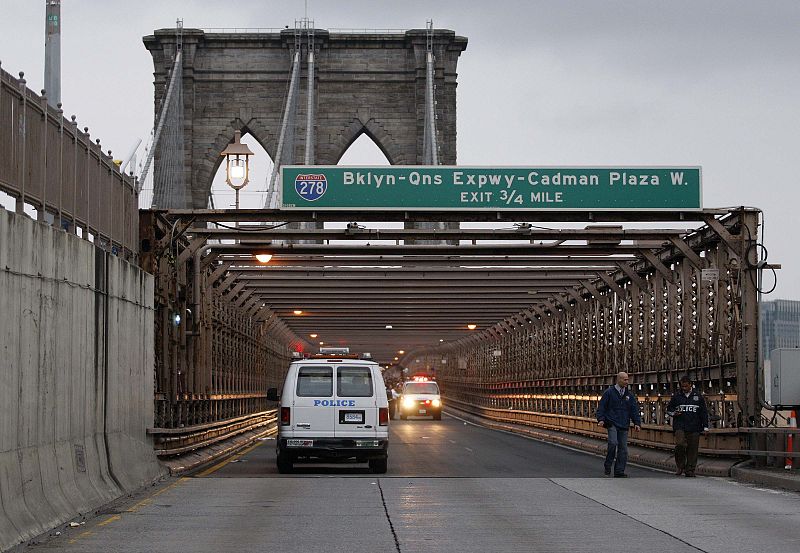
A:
334	351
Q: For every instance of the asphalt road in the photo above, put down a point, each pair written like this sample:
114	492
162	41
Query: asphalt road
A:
448	448
450	487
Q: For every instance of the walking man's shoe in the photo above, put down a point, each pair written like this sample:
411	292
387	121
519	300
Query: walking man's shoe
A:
623	475
607	472
689	474
679	472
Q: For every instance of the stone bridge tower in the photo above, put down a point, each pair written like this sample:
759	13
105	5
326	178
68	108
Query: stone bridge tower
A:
369	83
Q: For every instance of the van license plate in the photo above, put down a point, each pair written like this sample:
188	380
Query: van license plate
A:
299	443
423	412
351	417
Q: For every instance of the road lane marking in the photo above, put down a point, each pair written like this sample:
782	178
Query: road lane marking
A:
85	534
136	507
162	490
218	466
109	520
133	509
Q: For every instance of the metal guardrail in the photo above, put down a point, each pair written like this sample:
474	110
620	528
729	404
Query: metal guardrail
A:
48	163
351	30
256	30
726	442
174	441
249	30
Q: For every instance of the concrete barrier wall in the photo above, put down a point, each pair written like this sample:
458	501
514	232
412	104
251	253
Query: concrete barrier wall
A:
76	378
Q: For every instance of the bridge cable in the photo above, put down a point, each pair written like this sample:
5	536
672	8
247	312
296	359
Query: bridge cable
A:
169	188
430	143
309	145
286	134
431	154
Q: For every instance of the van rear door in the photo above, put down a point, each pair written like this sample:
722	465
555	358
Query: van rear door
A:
312	411
356	408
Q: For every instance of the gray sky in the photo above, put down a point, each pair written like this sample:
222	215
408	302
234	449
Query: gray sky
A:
633	82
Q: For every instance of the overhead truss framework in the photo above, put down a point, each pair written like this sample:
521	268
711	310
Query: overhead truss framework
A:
354	282
560	301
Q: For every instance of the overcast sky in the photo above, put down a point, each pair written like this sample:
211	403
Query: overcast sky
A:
636	82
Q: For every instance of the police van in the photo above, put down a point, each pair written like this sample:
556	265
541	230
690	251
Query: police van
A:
333	406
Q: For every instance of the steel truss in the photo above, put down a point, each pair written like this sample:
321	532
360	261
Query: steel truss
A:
559	311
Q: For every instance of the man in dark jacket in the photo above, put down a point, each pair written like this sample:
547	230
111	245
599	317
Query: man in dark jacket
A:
617	408
689	419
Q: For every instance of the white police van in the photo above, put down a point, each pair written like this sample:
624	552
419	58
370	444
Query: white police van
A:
333	406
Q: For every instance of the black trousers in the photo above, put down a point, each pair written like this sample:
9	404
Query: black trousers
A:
686	446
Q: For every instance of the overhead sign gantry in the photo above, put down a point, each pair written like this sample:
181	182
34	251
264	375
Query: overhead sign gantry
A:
507	188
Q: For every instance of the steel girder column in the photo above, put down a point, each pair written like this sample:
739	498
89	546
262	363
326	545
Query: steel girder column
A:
747	364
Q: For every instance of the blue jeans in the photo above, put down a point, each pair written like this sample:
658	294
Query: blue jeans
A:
617	447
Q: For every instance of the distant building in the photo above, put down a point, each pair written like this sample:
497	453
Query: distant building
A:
780	325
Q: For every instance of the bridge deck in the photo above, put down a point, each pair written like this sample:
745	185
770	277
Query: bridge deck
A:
450	487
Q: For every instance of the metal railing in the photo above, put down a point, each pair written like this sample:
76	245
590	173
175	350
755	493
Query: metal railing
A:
174	441
48	164
257	30
248	30
718	442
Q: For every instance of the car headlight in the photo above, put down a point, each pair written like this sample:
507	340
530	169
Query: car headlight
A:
437	403
408	402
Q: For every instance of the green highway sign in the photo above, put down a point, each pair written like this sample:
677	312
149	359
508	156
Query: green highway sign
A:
426	187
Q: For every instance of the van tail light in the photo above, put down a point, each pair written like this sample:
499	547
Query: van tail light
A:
383	416
427	402
286	417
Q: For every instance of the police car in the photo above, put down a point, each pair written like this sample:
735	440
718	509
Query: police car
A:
421	397
333	406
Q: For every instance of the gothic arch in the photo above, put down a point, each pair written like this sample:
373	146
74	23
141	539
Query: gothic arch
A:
377	134
371	83
212	158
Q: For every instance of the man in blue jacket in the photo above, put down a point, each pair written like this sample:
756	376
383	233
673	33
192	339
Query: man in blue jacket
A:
617	408
689	419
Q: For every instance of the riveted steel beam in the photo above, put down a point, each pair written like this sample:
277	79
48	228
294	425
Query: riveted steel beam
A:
373	234
414	262
634	276
658	266
688	252
612	285
456	216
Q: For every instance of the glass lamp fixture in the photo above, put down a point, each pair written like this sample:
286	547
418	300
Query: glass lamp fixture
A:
237	164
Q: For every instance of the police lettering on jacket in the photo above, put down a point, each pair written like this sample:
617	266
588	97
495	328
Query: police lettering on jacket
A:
688	412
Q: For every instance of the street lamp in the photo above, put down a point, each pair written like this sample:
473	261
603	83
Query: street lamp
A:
237	164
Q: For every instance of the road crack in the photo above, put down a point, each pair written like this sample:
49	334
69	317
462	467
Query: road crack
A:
673	536
389	518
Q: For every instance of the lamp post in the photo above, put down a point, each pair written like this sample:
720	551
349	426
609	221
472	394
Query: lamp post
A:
237	164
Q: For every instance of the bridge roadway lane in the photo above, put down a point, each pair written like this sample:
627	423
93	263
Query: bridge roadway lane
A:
450	487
